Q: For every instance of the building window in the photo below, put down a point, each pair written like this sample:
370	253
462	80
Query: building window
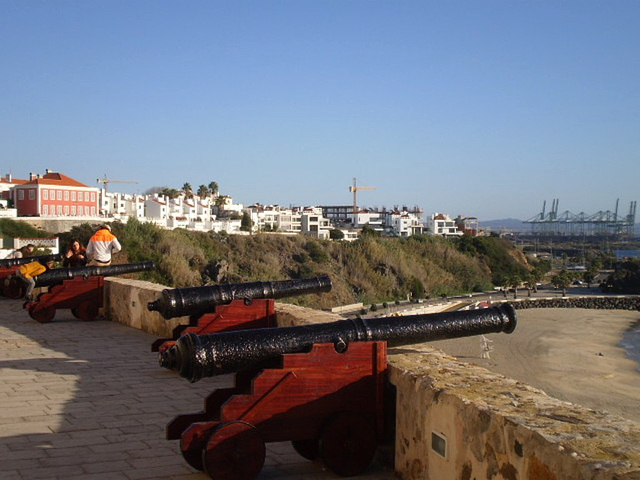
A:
45	194
73	196
59	195
20	194
60	208
73	210
80	199
93	196
66	209
66	195
93	211
32	194
45	209
80	210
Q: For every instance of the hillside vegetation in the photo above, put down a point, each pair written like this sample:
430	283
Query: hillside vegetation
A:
371	270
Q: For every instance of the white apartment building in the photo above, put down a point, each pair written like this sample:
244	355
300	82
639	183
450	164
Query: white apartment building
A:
404	223
443	225
314	224
304	220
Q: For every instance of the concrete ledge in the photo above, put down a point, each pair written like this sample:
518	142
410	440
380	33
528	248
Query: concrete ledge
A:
455	420
126	302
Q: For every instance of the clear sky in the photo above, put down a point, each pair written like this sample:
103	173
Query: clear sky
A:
480	108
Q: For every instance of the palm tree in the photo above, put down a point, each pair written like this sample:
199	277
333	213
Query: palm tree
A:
213	188
186	188
203	191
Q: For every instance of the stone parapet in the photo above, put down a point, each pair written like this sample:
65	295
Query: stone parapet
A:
456	420
597	303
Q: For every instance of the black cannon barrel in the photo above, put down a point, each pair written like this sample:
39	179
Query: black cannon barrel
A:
180	302
198	356
14	262
57	275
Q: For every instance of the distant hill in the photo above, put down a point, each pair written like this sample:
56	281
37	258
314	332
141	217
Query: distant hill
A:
506	224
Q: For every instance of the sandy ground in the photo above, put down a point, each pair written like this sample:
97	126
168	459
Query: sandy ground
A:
571	354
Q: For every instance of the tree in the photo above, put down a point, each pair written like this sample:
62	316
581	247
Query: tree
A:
246	224
170	192
213	188
336	234
203	191
562	281
186	188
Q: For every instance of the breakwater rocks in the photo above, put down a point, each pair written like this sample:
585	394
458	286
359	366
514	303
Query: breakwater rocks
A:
600	303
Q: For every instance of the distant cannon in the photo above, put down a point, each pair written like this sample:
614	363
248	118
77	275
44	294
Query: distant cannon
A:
14	262
195	301
57	275
79	289
198	356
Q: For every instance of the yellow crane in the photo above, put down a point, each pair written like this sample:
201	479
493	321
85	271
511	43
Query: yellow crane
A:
106	181
355	188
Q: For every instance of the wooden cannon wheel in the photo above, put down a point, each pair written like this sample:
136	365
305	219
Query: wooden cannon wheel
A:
15	289
308	449
235	451
86	310
42	315
348	444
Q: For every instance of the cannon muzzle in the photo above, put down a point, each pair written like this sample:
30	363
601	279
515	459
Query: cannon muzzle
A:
180	302
58	275
14	262
198	356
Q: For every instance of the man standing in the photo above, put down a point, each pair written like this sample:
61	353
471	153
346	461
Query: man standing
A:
101	246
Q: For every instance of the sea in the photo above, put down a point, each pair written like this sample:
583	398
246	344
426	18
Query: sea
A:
631	343
627	254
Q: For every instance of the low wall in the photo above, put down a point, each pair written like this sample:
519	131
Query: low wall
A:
455	420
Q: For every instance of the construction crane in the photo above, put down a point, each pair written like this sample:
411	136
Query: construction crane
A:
354	188
106	181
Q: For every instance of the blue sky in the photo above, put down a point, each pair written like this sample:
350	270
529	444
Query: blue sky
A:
480	108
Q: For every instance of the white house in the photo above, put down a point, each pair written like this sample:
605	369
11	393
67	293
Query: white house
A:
442	224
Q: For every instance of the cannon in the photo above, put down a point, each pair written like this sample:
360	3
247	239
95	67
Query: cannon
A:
195	301
79	289
8	267
14	262
58	275
199	356
322	386
218	308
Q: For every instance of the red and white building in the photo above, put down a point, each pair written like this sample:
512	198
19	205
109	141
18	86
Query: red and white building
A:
55	195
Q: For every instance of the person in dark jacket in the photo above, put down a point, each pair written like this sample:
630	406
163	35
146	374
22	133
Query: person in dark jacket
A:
76	255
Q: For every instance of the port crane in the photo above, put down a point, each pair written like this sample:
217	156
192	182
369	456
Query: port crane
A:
355	188
106	181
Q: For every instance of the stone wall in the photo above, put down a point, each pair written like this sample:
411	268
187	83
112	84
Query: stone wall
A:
455	420
597	303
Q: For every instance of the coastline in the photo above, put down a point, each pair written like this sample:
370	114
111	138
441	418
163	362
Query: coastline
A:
575	355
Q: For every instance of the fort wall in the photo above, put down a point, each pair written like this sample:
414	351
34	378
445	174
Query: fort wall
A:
456	420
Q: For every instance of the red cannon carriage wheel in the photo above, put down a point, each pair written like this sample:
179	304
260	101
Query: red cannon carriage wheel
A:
307	449
14	289
348	444
42	315
235	451
87	311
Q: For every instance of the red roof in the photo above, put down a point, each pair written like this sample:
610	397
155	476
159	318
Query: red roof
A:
59	179
13	181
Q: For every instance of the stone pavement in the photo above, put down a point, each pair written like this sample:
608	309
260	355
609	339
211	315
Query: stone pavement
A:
87	400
